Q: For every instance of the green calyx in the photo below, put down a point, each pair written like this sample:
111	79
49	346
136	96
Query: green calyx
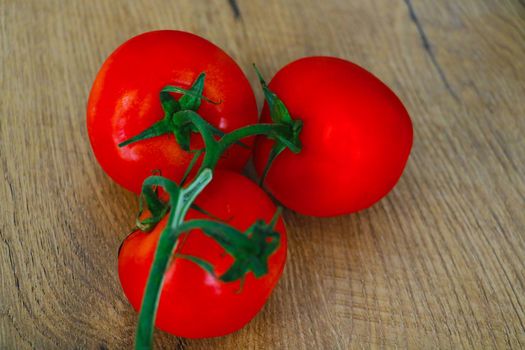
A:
157	208
250	249
171	123
279	115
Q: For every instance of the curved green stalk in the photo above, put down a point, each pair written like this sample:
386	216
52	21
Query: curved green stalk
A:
180	200
250	250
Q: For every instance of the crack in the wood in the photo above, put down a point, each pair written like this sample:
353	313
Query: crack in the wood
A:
7	179
11	190
12	263
235	8
428	48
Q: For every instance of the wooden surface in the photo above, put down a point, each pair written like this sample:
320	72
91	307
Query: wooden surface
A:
439	263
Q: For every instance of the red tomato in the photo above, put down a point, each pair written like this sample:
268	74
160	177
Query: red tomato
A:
194	303
124	101
356	138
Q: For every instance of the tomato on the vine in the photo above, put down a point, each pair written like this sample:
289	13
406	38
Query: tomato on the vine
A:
124	101
356	138
194	303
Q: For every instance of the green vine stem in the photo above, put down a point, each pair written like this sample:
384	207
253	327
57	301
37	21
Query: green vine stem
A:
251	249
215	148
213	151
180	200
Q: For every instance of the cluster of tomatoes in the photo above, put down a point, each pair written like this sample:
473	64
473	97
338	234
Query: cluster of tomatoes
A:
332	139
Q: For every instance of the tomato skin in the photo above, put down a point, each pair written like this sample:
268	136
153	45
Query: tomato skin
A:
356	138
124	101
193	303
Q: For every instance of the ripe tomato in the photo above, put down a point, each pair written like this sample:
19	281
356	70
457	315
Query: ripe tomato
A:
194	303
124	101
356	138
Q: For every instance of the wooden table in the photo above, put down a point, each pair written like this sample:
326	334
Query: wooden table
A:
439	263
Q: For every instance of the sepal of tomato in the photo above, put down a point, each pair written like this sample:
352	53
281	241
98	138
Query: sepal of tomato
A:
195	303
279	114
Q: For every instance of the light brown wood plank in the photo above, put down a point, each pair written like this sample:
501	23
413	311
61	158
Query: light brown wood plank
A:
439	263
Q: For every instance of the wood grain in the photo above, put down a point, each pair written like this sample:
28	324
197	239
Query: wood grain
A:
439	263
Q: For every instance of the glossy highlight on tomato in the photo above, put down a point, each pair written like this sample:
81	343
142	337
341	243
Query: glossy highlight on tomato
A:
194	303
356	138
124	101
